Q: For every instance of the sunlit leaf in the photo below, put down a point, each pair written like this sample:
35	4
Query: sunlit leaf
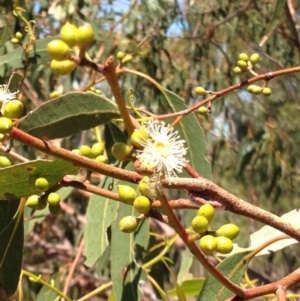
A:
213	289
69	114
101	213
5	30
18	180
123	260
186	263
266	233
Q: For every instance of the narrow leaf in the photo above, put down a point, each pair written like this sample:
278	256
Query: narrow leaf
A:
101	213
266	233
214	290
124	271
69	114
186	263
12	262
5	31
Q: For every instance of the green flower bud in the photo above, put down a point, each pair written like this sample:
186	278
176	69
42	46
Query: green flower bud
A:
85	150
32	201
243	57
128	224
5	125
53	199
203	110
101	159
199	224
120	151
142	204
254	58
146	188
97	149
208	244
228	230
126	194
41	184
5	162
138	137
266	91
200	91
127	58
208	211
224	245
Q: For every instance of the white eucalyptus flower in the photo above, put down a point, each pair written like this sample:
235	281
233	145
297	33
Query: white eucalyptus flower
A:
164	151
5	94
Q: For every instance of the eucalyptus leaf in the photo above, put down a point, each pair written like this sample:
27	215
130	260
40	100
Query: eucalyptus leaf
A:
69	114
18	180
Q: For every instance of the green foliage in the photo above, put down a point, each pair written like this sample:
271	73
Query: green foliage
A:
11	246
172	57
101	213
69	114
213	290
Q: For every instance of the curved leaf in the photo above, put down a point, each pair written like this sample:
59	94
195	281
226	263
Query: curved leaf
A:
18	180
5	32
214	290
69	114
11	267
101	213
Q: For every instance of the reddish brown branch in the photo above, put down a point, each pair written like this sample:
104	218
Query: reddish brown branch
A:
112	79
175	223
233	203
272	288
77	160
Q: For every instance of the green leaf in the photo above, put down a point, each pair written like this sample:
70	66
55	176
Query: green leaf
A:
101	213
141	236
38	55
14	81
190	288
69	114
13	240
125	285
266	233
186	263
112	134
214	290
190	130
18	180
5	32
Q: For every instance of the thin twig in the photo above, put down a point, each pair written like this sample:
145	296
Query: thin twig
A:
73	267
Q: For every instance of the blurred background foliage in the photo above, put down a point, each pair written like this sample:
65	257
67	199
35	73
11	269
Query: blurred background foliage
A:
252	141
